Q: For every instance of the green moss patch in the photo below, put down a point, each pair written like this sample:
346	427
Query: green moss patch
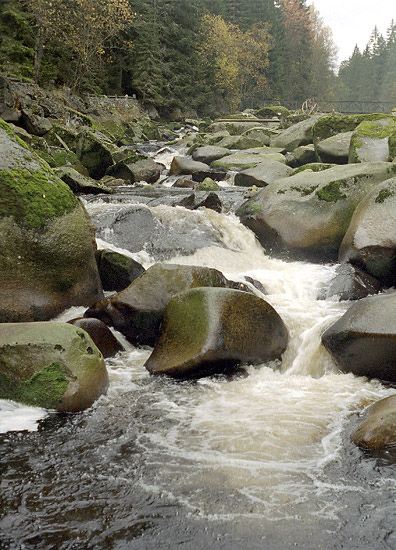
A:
383	195
331	192
304	191
32	197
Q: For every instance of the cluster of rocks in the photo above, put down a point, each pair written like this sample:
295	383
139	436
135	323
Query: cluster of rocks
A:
319	188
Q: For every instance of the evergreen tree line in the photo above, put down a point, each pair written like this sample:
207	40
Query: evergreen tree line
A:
370	75
186	55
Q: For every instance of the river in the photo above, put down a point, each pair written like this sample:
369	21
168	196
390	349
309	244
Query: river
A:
259	460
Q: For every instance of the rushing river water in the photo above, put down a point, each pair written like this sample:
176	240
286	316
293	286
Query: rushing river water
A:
261	460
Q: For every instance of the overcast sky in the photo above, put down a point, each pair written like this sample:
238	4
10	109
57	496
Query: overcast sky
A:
352	21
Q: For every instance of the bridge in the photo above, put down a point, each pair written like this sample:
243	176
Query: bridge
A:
356	106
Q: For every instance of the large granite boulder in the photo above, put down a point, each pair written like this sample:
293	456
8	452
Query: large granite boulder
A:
331	125
335	149
370	141
306	215
137	311
185	165
370	241
378	428
241	142
296	135
263	174
47	260
51	365
350	283
146	170
94	151
35	124
8	112
209	330
363	341
209	153
244	160
304	154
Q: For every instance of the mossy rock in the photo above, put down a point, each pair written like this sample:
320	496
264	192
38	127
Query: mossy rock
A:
330	125
210	330
296	135
370	241
46	259
207	185
244	161
306	215
50	365
95	152
273	111
314	167
137	311
370	141
116	270
335	149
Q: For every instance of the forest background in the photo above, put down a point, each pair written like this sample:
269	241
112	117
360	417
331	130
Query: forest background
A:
202	57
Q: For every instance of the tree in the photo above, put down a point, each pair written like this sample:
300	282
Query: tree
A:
84	26
323	56
239	59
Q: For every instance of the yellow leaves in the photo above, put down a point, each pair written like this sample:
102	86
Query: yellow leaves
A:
239	59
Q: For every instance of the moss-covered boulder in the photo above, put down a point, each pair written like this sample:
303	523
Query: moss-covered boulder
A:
377	430
234	128
94	151
296	135
47	258
330	125
263	174
370	241
313	167
370	141
137	311
116	270
241	142
51	365
101	335
306	215
209	330
207	185
304	154
335	149
34	124
363	341
243	160
79	183
259	133
273	111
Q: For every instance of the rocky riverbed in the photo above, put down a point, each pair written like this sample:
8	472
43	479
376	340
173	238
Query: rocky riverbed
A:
251	260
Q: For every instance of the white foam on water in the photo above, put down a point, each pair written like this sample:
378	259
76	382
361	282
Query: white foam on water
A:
17	417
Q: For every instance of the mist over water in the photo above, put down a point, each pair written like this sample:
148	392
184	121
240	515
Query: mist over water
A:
259	460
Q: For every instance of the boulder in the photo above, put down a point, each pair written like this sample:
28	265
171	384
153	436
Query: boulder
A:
95	152
350	283
7	111
331	125
370	141
240	142
263	174
363	341
370	241
306	215
304	154
34	124
296	135
243	161
142	170
116	270
377	431
184	183
335	149
137	311
260	134
47	260
209	153
207	185
210	330
314	167
79	183
101	335
233	128
185	165
211	201
51	365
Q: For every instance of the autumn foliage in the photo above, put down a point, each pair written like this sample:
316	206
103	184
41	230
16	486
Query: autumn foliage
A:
239	59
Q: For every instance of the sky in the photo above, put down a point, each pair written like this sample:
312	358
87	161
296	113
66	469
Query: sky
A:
352	21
